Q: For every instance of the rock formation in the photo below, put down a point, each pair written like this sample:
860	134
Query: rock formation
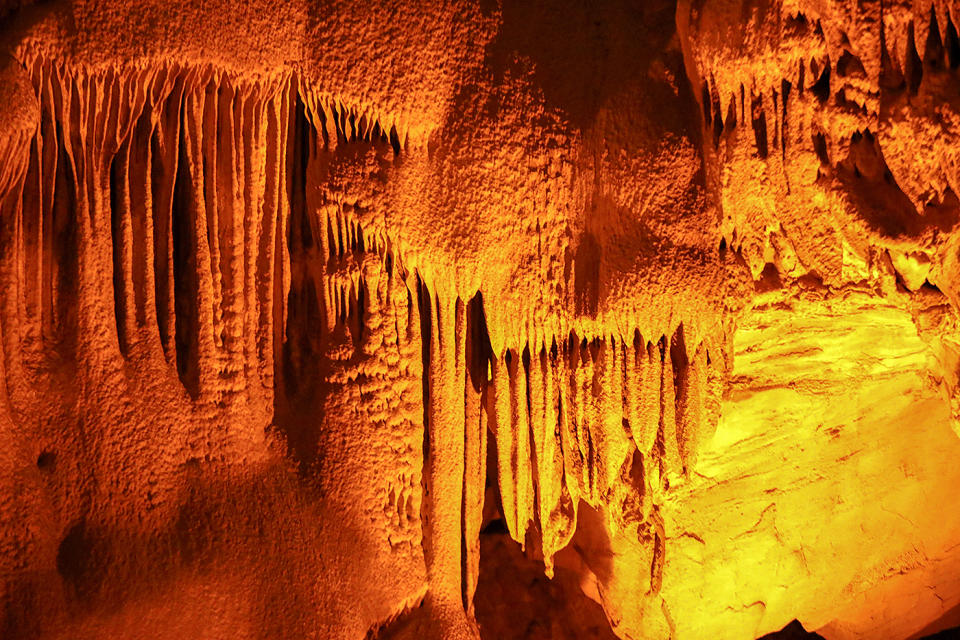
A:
347	319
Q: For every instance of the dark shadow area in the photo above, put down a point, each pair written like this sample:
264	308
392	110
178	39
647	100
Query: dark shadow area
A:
516	600
795	630
584	54
946	634
946	627
871	187
186	285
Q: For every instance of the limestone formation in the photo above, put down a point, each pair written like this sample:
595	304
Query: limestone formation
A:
384	319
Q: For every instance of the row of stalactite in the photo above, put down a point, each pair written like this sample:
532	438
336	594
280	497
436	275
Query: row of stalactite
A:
178	182
190	193
172	183
925	40
606	421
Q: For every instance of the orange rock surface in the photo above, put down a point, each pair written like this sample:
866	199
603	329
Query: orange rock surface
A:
479	320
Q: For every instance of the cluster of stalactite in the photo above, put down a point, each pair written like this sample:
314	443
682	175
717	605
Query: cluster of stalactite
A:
172	214
125	183
822	117
822	71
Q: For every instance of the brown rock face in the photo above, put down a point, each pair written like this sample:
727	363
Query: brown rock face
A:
479	320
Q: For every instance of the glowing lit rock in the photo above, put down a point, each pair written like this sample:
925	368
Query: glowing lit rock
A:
297	300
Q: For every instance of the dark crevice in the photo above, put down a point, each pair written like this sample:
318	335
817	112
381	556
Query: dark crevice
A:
914	66
785	88
332	243
118	189
46	460
731	120
875	194
322	130
658	561
388	263
161	242
302	358
821	88
681	383
139	184
891	76
395	141
185	276
933	53
850	66
759	126
820	148
852	106
303	134
717	116
769	279
525	359
478	355
952	44
796	26
481	351
636	476
63	286
426	340
496	526
706	104
361	312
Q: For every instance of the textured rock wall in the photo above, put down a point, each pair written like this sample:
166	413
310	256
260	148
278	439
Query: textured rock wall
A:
299	303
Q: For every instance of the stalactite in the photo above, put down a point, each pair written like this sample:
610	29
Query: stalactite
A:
692	421
276	281
444	466
667	434
564	372
615	445
505	442
521	453
197	192
553	498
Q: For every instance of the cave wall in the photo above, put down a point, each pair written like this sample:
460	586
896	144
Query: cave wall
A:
297	300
